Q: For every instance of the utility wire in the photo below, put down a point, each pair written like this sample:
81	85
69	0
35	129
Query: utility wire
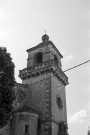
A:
77	66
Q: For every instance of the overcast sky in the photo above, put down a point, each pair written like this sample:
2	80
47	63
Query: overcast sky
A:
67	22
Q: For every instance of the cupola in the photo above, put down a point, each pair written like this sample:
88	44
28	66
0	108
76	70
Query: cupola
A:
45	38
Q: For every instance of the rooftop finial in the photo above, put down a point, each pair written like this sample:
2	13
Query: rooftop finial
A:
45	38
45	31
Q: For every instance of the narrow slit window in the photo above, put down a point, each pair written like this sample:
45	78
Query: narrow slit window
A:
55	59
26	128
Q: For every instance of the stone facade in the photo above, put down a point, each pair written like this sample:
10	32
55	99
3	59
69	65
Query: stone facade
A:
24	123
40	106
5	130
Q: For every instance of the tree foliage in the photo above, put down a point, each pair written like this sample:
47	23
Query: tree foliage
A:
7	82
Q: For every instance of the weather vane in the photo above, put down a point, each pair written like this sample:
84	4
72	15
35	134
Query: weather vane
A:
45	31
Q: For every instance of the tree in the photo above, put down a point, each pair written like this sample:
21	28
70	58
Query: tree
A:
7	82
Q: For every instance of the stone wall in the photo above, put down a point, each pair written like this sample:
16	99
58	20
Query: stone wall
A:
39	98
58	89
21	119
5	130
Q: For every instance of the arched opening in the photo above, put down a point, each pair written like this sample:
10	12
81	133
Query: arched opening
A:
39	58
26	129
55	59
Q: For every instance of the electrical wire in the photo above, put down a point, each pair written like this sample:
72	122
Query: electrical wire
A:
76	66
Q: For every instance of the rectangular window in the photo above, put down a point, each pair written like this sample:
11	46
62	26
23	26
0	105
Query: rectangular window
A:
26	128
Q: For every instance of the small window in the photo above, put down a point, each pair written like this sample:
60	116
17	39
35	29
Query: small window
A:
39	58
55	59
26	128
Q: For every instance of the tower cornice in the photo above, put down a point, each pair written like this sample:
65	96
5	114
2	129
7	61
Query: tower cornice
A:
44	68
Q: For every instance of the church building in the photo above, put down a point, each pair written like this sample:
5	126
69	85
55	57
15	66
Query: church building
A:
40	105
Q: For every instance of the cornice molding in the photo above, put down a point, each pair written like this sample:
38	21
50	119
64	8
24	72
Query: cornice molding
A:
51	68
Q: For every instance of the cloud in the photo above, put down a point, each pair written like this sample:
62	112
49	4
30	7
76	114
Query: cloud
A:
68	58
78	117
88	110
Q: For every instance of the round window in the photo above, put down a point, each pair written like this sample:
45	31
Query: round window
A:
59	102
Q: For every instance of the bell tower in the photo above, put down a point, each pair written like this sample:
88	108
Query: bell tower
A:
47	84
